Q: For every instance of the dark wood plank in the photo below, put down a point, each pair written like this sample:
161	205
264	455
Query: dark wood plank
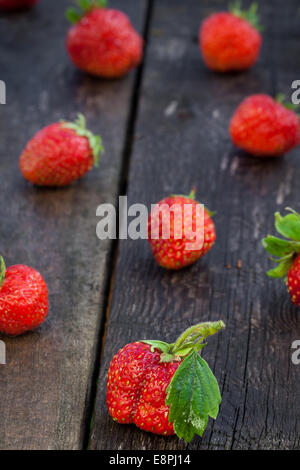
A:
252	357
46	384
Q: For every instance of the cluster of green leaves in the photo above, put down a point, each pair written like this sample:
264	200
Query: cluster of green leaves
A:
250	15
193	394
74	15
79	126
282	251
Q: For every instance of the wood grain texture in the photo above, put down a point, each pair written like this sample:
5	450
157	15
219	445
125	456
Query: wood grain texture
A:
252	357
46	384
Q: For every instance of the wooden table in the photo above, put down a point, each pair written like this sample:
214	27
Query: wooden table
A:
165	129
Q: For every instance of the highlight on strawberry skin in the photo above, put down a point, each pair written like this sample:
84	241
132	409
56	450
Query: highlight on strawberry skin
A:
176	241
102	41
165	388
23	299
285	252
231	41
61	153
265	127
16	4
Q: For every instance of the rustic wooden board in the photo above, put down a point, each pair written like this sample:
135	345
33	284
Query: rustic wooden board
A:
47	384
252	357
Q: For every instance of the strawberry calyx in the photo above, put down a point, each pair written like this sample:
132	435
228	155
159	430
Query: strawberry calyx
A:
95	141
85	6
281	99
2	270
192	196
283	252
193	393
250	15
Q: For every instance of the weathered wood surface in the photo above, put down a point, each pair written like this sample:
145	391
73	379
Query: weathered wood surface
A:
252	357
47	385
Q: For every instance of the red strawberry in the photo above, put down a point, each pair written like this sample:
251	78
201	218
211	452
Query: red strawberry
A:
23	299
179	247
230	41
286	252
103	42
264	127
60	154
16	4
165	388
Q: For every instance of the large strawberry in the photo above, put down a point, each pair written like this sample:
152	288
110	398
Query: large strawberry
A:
60	154
265	127
286	252
102	41
23	299
16	4
180	231
165	388
230	40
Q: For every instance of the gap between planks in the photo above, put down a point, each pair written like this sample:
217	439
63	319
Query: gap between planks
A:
113	255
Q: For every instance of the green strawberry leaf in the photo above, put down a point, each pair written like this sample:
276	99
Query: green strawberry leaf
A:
73	15
2	270
251	15
193	396
282	269
278	247
288	226
160	345
95	141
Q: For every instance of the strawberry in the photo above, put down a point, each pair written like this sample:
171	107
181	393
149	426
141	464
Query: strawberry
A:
60	154
103	42
264	127
165	388
286	252
185	242
230	40
16	4
23	299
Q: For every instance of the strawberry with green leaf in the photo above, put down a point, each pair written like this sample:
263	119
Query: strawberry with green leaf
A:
61	153
286	252
230	40
165	388
102	41
265	127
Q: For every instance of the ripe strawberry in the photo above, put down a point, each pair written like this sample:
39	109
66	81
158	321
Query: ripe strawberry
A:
60	154
185	242
286	252
23	299
16	4
165	388
264	127
103	42
230	41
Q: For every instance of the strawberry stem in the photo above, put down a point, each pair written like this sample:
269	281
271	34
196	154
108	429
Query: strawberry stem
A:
250	15
196	334
95	141
2	270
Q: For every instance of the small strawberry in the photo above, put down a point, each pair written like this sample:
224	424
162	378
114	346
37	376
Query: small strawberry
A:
23	299
103	42
264	127
165	388
178	237
286	252
231	41
16	4
60	154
